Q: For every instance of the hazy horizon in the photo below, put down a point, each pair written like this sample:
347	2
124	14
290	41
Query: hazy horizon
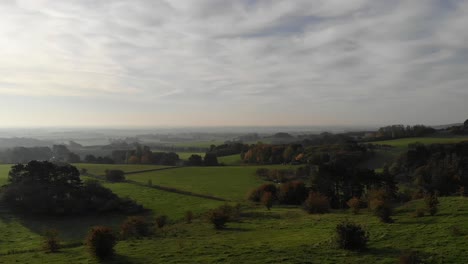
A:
243	63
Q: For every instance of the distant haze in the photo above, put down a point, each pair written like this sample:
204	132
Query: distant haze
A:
232	63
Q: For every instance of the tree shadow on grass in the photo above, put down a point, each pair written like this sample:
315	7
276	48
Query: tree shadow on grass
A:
261	215
70	228
235	229
118	259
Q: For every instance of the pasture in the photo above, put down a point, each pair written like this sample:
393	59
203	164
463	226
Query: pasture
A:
288	235
403	143
228	182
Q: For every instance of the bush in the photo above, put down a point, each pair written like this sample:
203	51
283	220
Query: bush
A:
218	218
101	241
379	203
188	217
115	175
267	200
351	236
161	221
316	203
257	194
51	242
135	226
355	205
382	210
432	203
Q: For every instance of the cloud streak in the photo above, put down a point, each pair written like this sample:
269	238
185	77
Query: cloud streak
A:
333	60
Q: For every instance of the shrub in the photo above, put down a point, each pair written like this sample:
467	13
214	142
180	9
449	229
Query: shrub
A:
218	218
267	200
135	226
51	242
379	202
316	203
355	205
431	202
257	194
382	210
161	221
101	241
351	236
188	217
115	175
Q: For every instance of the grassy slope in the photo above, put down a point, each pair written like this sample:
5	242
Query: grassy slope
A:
288	235
403	142
231	160
230	182
161	202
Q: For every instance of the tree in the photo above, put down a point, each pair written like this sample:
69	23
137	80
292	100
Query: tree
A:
316	203
51	242
431	202
73	158
195	160
101	241
210	159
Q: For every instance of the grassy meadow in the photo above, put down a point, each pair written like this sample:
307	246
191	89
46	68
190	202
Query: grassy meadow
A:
288	235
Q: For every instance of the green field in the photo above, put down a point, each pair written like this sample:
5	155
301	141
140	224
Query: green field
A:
288	235
231	160
229	182
4	169
403	142
162	202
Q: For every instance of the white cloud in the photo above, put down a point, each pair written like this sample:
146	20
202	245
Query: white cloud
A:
336	58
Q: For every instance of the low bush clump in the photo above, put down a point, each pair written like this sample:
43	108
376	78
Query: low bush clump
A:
351	236
51	242
161	221
223	214
188	217
379	203
135	226
101	241
316	203
355	205
257	194
432	203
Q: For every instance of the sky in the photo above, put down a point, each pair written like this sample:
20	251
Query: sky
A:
232	63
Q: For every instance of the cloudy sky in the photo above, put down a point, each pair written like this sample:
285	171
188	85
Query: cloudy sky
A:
229	63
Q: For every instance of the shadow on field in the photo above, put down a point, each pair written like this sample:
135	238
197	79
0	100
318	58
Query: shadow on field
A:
119	259
261	215
383	252
70	228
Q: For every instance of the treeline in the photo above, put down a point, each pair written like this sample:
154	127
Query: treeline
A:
144	155
23	154
42	187
441	168
401	131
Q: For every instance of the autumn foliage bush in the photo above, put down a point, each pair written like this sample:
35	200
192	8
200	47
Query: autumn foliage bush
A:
51	243
135	226
354	204
316	203
101	241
